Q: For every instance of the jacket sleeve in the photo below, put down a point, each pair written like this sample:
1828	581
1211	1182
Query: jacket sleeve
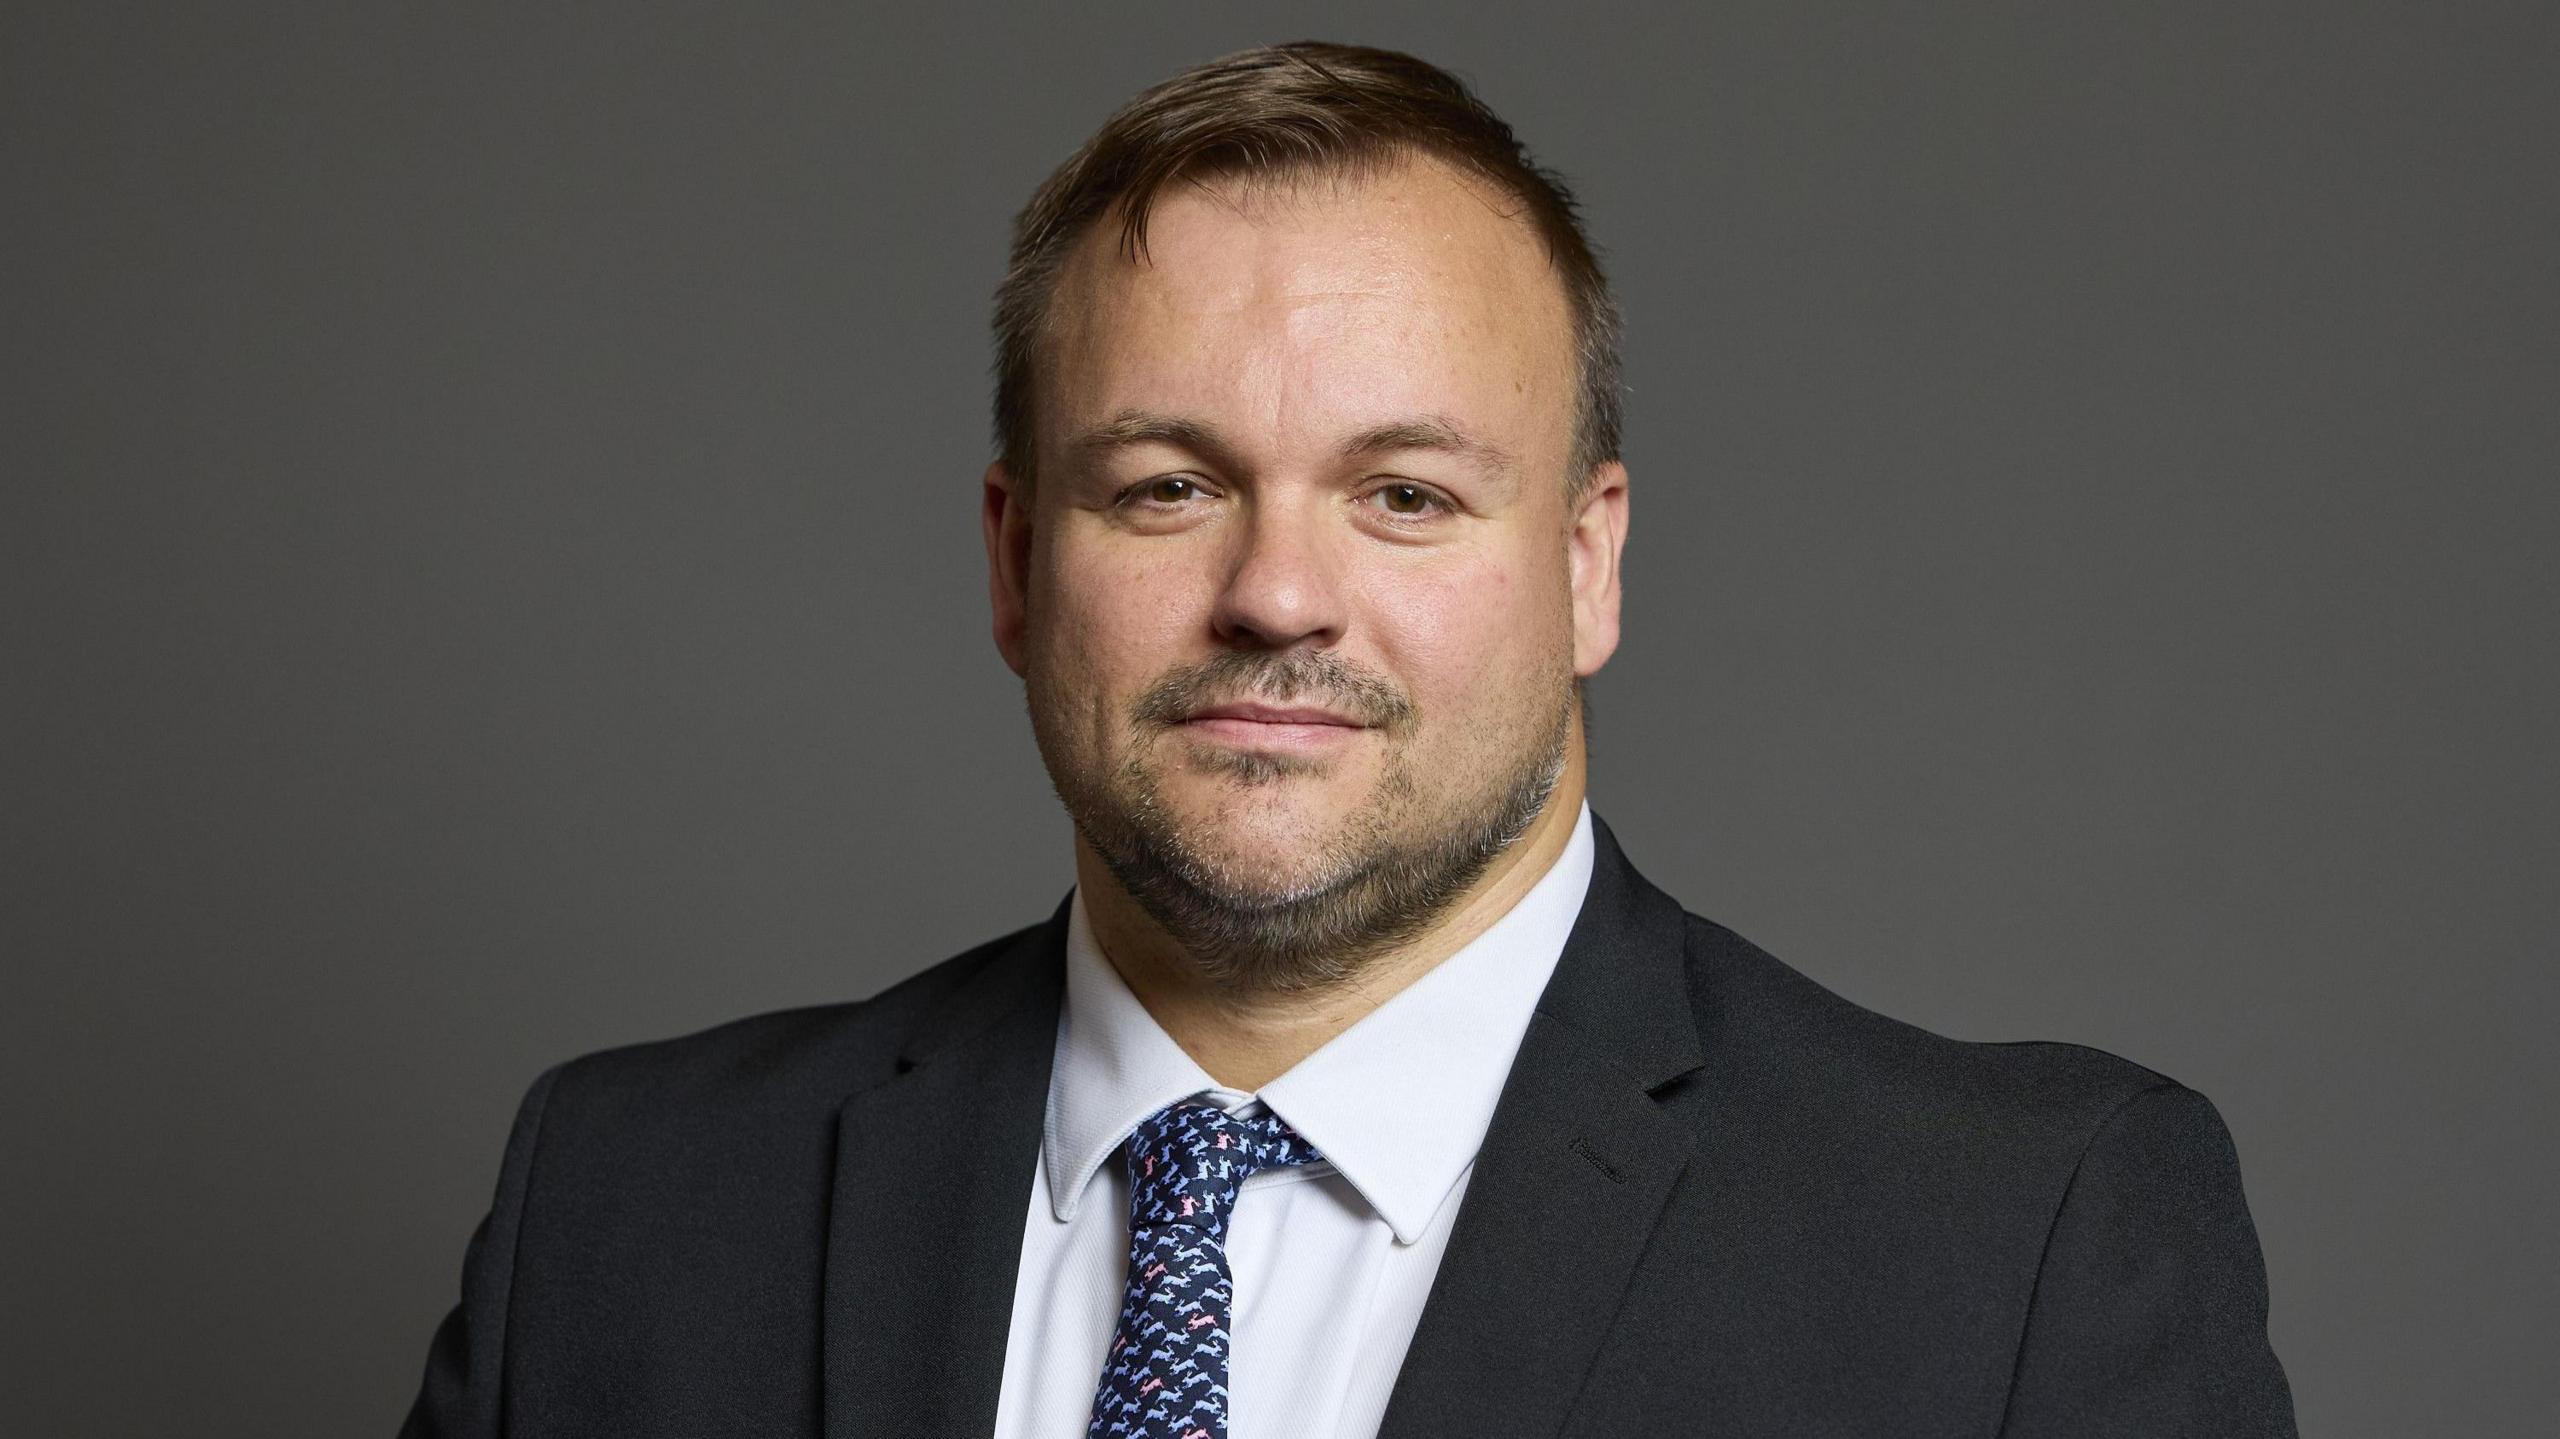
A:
466	1361
2149	1316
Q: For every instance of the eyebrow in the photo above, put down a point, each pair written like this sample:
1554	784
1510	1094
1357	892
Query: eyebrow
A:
1139	427
1432	433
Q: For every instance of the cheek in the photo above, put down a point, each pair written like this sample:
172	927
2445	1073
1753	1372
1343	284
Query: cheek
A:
1464	637
1110	621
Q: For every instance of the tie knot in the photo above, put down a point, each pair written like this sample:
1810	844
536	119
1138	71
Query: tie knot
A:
1188	1159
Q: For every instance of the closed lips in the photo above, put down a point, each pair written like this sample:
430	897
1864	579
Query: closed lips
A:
1275	714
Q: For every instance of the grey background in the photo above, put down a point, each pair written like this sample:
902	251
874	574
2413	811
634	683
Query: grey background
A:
490	571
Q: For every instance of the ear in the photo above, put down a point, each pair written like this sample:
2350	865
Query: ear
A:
1594	544
1005	514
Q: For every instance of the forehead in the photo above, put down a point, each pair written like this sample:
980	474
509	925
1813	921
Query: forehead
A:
1300	310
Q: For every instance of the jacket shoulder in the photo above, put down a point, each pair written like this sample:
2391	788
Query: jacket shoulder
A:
817	1054
2046	1236
1836	1062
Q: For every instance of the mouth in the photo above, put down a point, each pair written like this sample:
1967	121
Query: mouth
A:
1252	725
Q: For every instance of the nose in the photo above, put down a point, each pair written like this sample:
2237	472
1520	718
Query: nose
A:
1284	582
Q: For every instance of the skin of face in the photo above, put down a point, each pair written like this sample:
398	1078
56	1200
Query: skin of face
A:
1309	454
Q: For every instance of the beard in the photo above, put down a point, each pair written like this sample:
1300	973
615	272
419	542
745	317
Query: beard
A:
1382	879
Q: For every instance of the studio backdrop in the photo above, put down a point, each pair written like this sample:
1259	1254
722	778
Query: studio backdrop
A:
489	547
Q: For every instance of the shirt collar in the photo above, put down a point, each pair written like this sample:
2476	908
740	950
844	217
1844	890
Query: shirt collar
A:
1399	1102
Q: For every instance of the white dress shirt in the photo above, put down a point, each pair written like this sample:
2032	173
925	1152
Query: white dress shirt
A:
1332	1260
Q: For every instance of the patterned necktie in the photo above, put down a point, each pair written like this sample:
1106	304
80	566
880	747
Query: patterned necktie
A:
1166	1377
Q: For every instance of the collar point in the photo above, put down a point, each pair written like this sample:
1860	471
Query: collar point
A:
1407	1227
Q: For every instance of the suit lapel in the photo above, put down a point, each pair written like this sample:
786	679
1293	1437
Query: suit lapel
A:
934	1169
1572	1177
933	1172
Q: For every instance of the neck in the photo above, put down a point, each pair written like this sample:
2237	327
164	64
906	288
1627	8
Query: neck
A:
1246	1040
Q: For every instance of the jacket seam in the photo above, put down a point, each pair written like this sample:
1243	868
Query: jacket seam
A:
537	1108
1618	1309
2044	1255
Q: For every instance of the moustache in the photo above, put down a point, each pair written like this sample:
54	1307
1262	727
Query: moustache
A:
1294	677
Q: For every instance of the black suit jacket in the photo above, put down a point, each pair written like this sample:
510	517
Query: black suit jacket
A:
1716	1199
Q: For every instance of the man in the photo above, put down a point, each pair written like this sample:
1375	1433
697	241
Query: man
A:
1361	1086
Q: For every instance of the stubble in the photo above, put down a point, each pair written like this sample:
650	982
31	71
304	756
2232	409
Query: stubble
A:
1377	882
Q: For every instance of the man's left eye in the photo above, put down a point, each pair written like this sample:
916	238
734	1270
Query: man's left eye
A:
1406	501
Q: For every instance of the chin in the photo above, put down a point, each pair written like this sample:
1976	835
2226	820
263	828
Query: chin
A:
1269	847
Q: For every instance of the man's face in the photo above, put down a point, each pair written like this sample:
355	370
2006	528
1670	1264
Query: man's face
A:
1298	599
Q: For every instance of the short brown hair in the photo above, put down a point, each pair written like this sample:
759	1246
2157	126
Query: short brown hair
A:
1282	110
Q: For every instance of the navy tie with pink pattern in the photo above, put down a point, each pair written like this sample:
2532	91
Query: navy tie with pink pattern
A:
1166	1375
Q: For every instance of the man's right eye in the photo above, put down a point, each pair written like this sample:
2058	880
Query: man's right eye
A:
1170	490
